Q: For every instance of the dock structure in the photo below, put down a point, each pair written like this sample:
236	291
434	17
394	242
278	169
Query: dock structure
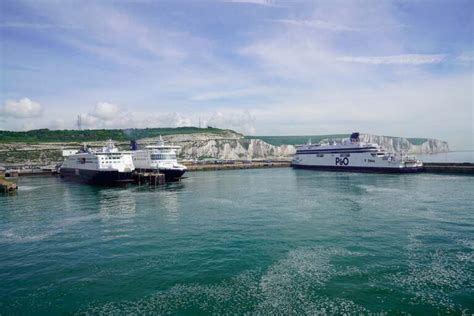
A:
229	166
453	168
7	186
148	178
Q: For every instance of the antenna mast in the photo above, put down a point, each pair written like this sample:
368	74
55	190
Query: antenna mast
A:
79	122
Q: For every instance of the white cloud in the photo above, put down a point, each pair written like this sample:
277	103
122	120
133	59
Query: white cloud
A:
419	107
24	108
111	33
406	59
318	24
105	111
242	122
109	115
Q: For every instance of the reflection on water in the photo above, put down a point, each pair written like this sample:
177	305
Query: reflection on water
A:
116	203
171	206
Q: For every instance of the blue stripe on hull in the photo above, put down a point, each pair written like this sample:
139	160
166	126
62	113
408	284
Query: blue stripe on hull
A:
102	177
335	151
360	169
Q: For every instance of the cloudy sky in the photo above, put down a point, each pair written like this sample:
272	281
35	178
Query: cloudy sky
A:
264	67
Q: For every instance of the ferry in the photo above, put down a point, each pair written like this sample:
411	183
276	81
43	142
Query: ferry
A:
106	166
353	155
159	157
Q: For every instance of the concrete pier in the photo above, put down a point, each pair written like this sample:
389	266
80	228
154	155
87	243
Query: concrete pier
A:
148	178
455	168
228	166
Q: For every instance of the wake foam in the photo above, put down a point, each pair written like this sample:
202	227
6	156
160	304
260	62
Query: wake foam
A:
290	286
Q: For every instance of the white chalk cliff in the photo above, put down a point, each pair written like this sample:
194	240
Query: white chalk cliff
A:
401	144
235	146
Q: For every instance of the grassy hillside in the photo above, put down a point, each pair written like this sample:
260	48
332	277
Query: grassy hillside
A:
46	135
294	140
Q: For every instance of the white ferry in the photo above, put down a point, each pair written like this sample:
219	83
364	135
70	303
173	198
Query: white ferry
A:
160	158
107	166
353	155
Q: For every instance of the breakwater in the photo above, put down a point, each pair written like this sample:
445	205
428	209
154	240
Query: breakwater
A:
250	165
442	167
150	178
431	167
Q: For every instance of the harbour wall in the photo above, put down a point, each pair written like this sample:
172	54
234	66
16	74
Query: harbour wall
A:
453	168
228	166
430	167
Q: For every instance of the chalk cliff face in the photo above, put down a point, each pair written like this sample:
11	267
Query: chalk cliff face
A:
234	149
237	147
401	144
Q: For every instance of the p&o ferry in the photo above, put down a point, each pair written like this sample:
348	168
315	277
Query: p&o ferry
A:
353	155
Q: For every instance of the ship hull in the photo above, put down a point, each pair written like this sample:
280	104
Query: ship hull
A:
360	169
97	177
172	174
364	158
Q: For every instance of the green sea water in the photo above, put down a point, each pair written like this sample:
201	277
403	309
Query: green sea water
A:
268	241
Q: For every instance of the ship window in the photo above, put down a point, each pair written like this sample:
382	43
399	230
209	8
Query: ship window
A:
166	156
320	155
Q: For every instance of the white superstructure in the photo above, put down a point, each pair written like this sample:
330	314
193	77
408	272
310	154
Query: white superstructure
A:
104	166
353	155
159	157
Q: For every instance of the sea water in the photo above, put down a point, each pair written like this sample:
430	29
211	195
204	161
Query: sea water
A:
263	241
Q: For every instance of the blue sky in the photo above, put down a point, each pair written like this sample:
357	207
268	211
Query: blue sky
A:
264	67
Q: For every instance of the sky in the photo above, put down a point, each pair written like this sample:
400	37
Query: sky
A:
260	67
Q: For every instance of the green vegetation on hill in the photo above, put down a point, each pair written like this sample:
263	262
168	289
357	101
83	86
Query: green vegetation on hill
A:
140	133
46	135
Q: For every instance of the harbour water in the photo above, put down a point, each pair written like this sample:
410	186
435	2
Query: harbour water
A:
258	241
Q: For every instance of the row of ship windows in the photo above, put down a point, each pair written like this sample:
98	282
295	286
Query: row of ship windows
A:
82	160
348	155
162	156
